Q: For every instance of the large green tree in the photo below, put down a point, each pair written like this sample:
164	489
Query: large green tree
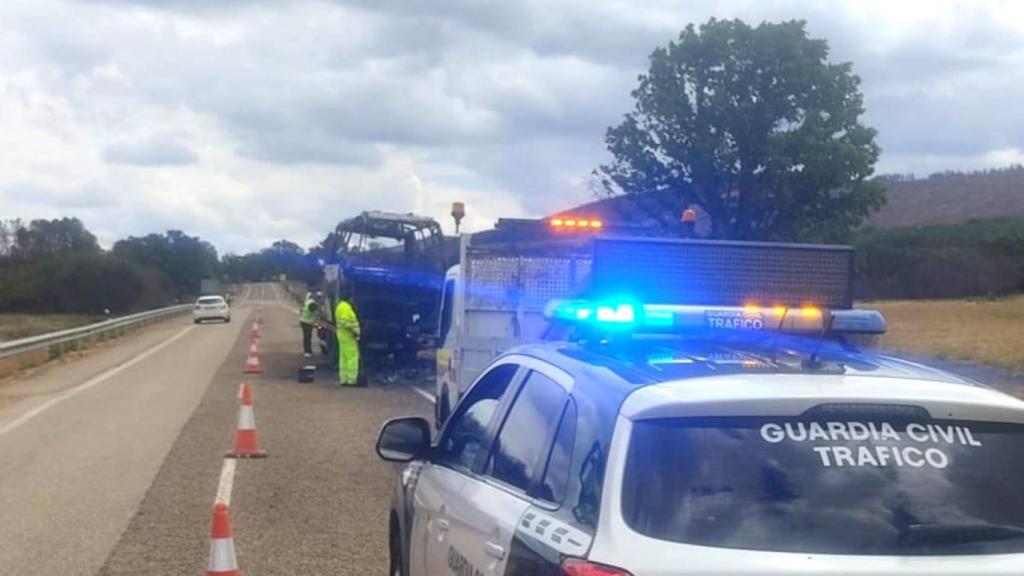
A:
46	238
58	266
755	126
184	260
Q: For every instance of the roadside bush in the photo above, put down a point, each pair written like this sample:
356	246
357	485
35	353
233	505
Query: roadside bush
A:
57	266
21	284
74	283
980	258
92	283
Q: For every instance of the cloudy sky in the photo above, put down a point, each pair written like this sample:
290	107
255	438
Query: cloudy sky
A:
245	121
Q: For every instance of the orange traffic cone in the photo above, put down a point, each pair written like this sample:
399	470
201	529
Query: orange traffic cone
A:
222	544
254	334
252	363
247	439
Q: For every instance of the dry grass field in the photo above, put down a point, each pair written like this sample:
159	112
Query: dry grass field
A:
15	326
985	331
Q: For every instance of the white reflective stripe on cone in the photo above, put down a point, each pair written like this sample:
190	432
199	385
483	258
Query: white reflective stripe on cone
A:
252	360
246	418
222	555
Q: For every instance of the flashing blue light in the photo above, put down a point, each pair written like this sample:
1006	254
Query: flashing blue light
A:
659	317
610	313
574	311
626	314
621	313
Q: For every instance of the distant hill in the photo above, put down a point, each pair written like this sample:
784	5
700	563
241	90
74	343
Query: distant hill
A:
943	198
951	198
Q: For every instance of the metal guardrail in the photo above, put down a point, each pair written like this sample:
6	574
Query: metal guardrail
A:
73	338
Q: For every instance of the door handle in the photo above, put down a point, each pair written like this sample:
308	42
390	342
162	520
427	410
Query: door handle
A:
494	551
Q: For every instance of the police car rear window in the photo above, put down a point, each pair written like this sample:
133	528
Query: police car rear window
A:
831	486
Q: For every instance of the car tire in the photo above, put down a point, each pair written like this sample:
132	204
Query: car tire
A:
395	561
227	320
196	321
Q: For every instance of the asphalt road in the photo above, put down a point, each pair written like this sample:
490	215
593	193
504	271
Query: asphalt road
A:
110	464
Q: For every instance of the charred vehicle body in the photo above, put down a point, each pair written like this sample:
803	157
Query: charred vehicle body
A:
393	267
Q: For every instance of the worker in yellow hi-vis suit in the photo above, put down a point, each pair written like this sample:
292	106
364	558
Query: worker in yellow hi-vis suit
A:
347	325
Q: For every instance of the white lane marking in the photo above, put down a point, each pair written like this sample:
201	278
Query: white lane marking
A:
227	481
94	381
430	397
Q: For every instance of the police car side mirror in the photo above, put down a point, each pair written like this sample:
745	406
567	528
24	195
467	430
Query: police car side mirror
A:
404	439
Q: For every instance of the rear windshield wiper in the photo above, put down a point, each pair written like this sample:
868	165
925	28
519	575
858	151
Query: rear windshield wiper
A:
958	533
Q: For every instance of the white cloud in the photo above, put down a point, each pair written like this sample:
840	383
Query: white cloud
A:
155	151
246	122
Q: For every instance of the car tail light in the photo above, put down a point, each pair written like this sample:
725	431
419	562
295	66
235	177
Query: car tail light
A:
580	567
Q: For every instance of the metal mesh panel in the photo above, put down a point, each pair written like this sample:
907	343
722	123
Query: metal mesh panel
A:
724	273
498	282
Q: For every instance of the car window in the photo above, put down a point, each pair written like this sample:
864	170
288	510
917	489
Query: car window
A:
213	300
524	436
845	485
446	309
466	434
556	474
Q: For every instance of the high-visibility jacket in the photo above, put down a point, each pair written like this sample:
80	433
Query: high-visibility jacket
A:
308	313
348	342
345	319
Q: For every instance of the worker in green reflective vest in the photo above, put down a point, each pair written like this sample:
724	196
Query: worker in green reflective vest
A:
307	320
347	326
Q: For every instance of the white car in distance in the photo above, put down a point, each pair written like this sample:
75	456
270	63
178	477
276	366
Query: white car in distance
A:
211	308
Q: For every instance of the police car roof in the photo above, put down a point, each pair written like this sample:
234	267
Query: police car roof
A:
650	360
662	371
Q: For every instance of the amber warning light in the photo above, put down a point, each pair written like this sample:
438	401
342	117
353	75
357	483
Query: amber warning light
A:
575	223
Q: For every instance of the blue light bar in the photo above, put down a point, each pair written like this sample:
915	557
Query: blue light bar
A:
620	313
602	313
624	314
858	321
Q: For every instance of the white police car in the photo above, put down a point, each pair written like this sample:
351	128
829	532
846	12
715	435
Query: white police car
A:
711	452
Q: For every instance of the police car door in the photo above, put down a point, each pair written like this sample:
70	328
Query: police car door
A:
439	502
498	498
